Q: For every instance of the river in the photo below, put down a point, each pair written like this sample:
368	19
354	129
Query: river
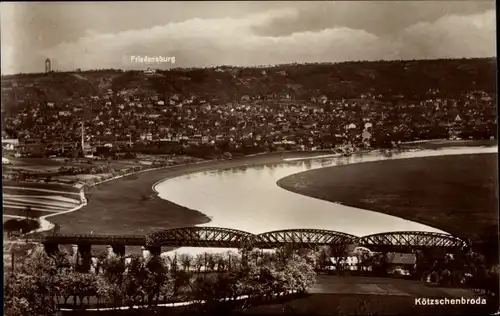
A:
248	198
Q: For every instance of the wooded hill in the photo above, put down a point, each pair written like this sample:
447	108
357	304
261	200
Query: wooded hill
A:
407	80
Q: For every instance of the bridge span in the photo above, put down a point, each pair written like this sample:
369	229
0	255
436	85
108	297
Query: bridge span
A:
217	237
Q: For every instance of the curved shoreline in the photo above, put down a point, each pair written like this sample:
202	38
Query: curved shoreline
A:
212	200
319	188
125	202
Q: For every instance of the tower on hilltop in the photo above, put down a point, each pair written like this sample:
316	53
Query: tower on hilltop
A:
47	65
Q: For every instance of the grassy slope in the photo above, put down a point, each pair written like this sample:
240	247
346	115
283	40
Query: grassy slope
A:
457	194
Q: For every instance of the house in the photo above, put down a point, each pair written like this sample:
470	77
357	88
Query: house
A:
146	136
10	144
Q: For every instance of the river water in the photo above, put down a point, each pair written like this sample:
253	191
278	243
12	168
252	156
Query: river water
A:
248	198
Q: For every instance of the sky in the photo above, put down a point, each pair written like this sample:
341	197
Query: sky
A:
96	35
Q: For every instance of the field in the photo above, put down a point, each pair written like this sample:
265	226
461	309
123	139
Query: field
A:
457	194
45	168
41	198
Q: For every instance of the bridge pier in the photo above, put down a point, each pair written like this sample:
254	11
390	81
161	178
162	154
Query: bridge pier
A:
118	250
150	251
145	253
154	250
51	248
109	252
84	250
75	256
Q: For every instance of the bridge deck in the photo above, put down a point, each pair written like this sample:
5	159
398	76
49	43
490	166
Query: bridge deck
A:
216	237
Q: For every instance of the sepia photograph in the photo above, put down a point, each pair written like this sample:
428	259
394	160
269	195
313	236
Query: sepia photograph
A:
249	158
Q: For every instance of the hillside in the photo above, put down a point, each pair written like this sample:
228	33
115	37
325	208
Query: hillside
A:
408	80
40	88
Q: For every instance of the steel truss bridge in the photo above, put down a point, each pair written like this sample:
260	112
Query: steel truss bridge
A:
216	237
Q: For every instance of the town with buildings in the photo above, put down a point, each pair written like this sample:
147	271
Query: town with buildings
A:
155	122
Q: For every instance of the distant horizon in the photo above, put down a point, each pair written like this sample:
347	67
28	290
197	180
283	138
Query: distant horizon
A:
97	35
244	67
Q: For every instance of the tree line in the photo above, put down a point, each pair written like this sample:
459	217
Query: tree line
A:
41	284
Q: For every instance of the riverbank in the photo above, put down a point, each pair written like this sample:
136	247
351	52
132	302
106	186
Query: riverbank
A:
129	206
456	194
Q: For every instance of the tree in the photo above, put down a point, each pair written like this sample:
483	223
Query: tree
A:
301	271
380	264
28	225
81	286
338	252
322	258
133	286
100	259
158	282
365	259
12	225
221	264
182	281
186	261
113	273
31	290
211	261
113	269
40	281
199	262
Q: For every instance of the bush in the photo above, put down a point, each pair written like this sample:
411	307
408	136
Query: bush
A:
23	225
12	225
